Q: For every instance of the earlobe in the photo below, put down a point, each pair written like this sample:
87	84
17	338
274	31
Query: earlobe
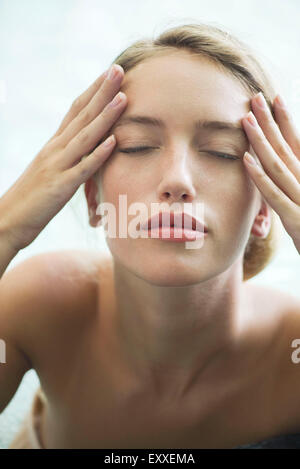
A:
262	223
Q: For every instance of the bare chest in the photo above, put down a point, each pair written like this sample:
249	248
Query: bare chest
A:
93	404
97	406
96	415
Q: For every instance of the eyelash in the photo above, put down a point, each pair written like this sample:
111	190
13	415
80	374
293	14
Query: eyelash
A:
219	154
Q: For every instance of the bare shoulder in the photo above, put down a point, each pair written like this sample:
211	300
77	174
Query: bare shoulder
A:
288	390
277	316
52	276
284	354
43	294
282	309
279	312
273	296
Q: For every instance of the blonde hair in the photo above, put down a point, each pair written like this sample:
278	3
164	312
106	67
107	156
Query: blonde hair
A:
235	57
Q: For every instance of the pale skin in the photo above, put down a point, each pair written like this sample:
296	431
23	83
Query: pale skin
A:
159	345
173	167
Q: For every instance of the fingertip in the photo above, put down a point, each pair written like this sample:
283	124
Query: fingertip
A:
110	141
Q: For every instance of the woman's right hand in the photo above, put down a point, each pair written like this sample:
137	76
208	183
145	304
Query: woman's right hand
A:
57	171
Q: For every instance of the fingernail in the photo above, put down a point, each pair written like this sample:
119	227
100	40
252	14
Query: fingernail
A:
261	100
280	101
251	119
113	72
249	158
117	100
109	141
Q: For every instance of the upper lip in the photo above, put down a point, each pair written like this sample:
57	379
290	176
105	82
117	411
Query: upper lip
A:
176	219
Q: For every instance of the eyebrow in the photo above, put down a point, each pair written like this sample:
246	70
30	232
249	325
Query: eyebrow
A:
203	124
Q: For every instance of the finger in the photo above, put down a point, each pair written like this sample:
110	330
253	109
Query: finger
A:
287	210
287	125
101	98
80	102
272	164
90	163
274	135
89	137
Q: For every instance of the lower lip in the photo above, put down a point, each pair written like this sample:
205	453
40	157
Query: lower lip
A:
175	235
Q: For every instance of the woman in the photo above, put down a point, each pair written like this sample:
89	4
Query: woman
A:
159	345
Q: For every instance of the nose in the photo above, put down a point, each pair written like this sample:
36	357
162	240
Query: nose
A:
176	182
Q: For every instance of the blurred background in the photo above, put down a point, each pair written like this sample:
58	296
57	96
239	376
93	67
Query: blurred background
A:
52	50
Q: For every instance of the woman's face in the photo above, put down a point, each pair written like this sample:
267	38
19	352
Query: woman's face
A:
180	90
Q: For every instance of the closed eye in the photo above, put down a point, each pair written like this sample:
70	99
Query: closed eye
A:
135	149
227	156
214	153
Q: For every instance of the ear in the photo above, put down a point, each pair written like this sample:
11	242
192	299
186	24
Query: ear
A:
262	222
91	194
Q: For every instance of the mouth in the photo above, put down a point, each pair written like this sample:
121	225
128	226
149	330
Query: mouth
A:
179	220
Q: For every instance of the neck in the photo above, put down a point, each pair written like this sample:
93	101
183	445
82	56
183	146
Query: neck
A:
174	334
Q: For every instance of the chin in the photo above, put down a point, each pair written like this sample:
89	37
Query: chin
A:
168	274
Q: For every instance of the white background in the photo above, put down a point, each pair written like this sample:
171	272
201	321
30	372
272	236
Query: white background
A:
52	50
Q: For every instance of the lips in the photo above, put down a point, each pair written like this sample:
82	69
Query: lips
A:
179	220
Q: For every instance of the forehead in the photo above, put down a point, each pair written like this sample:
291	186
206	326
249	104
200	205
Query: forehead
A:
184	83
180	92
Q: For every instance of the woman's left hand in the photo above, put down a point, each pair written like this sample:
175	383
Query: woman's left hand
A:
278	149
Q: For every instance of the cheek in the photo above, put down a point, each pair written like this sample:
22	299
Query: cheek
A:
233	200
116	180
